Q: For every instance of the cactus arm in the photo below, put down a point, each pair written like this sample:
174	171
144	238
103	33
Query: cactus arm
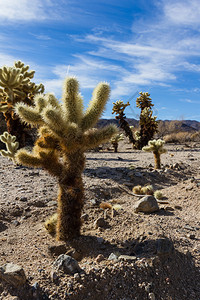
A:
47	160
28	114
96	107
94	137
72	101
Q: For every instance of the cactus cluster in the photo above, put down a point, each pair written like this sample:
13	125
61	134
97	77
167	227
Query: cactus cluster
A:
65	133
145	190
11	145
118	109
156	146
16	86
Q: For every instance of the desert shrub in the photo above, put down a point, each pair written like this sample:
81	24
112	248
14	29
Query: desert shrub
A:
179	137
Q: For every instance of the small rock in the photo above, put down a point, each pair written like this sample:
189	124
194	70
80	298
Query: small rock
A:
100	222
191	236
178	207
147	204
23	199
85	217
138	174
67	264
127	257
113	256
100	258
16	223
54	276
152	296
13	274
169	208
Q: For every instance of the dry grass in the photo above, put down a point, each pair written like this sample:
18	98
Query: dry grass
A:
181	137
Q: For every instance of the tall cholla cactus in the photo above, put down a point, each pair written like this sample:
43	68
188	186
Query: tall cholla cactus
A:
156	146
11	145
118	109
65	133
15	86
148	123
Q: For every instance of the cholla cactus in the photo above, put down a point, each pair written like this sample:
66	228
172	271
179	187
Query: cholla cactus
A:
156	146
118	109
158	195
11	145
116	139
148	123
16	85
65	133
144	101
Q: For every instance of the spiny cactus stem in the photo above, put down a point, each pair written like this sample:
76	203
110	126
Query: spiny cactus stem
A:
157	159
70	199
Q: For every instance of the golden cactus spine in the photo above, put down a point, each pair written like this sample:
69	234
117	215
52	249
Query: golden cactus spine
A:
66	132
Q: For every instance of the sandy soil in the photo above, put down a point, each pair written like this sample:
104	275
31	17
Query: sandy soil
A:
28	197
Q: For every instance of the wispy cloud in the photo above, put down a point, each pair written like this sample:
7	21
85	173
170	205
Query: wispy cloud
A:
183	12
191	101
24	10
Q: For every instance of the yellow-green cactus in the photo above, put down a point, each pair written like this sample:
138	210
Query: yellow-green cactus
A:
15	86
50	224
156	146
11	145
116	139
66	132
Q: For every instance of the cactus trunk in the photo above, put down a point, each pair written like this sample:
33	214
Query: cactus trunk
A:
157	160
71	198
16	128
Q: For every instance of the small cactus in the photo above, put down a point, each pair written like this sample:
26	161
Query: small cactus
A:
11	145
158	195
115	140
156	146
50	224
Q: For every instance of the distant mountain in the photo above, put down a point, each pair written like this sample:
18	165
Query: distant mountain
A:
185	125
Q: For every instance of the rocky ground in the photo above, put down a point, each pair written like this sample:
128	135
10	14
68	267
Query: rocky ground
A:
122	254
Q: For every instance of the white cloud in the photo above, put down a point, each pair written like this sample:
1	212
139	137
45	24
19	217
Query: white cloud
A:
25	10
183	12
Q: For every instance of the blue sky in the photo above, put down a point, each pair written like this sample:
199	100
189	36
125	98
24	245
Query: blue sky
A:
150	46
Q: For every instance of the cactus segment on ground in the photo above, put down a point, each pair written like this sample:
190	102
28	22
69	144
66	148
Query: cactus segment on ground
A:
156	146
65	133
11	145
118	109
16	85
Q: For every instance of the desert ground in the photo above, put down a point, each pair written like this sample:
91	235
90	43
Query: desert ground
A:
28	198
